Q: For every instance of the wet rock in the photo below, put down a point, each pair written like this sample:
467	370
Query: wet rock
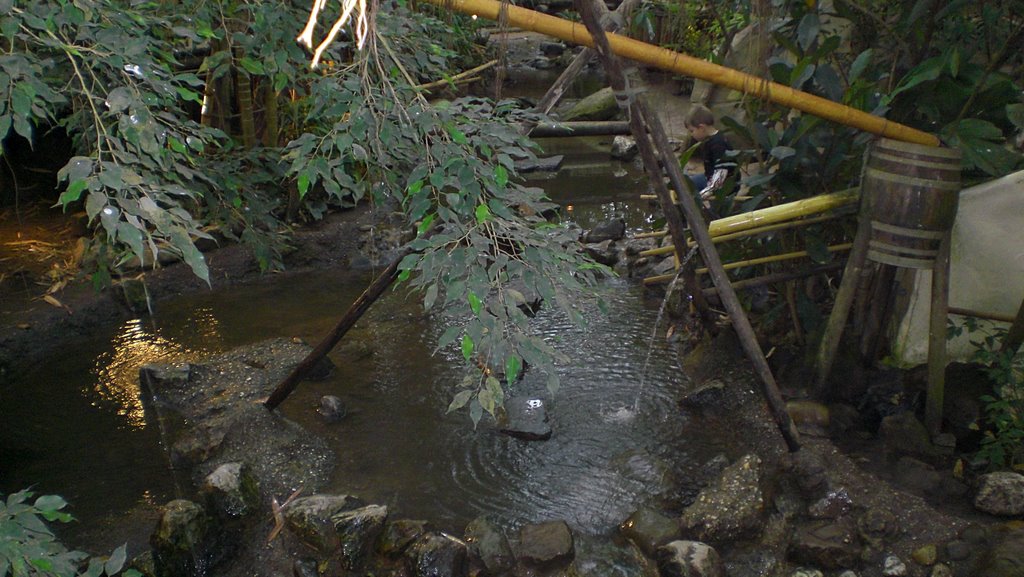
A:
182	542
624	148
826	544
1000	493
803	572
689	559
958	550
525	418
305	568
925	556
893	566
833	505
709	393
159	377
488	546
810	472
941	570
551	49
877	526
1004	555
917	476
600	105
143	563
614	229
904	434
848	573
733	508
437	555
310	518
649	530
230	492
546	545
357	532
398	535
602	252
332	408
547	164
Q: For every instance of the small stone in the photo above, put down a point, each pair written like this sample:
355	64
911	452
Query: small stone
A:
848	573
941	570
926	555
958	550
1001	493
332	409
893	567
804	572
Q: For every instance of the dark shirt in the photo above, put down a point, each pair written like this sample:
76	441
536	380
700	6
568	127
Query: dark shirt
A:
714	152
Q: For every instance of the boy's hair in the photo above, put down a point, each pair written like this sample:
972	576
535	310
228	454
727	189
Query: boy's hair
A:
698	115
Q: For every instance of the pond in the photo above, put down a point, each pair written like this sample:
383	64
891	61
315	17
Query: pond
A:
74	424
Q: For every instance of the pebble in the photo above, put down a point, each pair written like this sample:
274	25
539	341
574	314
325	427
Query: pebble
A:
893	567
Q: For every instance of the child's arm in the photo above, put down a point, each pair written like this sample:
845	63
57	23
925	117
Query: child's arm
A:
716	182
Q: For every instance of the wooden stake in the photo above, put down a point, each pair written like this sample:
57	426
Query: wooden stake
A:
937	340
646	125
1015	336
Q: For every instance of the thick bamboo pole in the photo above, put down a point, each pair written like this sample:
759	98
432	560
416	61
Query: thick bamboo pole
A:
682	64
783	212
752	262
746	233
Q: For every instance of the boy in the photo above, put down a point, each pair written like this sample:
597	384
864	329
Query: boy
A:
700	122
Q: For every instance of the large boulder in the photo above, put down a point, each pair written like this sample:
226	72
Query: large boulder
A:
689	559
546	545
183	543
311	519
437	555
903	434
1001	493
826	544
231	492
357	532
649	530
733	508
525	418
488	546
398	535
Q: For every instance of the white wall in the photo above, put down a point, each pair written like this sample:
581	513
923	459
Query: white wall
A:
986	267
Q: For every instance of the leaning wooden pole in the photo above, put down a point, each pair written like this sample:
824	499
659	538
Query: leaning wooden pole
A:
690	66
355	312
640	113
1015	336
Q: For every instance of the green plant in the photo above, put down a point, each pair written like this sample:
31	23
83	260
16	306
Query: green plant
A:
1002	446
29	548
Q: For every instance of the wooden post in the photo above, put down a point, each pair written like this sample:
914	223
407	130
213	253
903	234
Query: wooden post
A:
937	339
1015	335
646	125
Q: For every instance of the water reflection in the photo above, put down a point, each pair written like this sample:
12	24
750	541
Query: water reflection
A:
137	343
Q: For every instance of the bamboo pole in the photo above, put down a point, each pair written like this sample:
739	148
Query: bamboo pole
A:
457	77
784	212
752	262
582	128
682	64
748	232
987	315
647	129
776	277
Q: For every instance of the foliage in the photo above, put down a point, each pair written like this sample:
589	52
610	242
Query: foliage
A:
694	28
1002	446
451	166
29	548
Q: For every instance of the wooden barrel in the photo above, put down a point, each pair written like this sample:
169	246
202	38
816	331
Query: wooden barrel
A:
914	192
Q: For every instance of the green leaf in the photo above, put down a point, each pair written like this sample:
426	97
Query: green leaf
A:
176	145
252	66
73	192
474	302
486	399
50	503
116	561
1014	112
425	224
448	337
460	400
483	214
191	95
500	175
817	250
860	64
303	184
457	135
808	30
512	367
467	347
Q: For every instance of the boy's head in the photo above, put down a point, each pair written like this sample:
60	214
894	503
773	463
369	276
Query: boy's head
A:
700	121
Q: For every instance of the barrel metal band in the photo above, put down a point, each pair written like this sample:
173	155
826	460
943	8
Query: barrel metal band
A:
890	248
920	182
886	258
953	168
903	231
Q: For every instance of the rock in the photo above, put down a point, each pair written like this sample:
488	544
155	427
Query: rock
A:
689	559
398	535
1004	555
332	409
649	530
550	49
614	229
941	570
182	541
437	555
602	252
893	566
525	418
903	434
848	573
1000	493
918	476
826	544
958	550
709	393
810	472
803	572
833	505
231	492
877	526
310	518
624	148
731	509
600	105
925	556
547	164
305	567
160	376
489	546
358	531
546	545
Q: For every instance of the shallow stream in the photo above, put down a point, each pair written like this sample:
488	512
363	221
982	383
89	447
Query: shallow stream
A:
74	425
